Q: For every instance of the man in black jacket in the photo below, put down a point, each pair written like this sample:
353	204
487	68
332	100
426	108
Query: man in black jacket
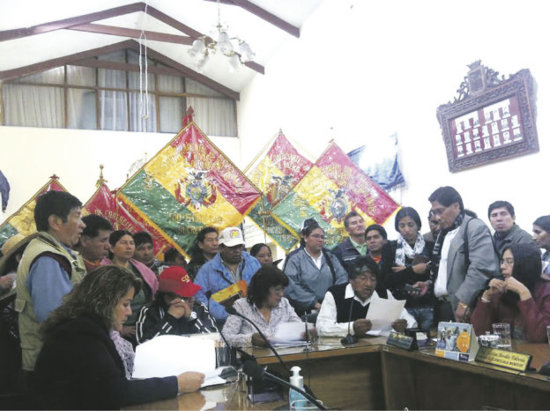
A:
174	310
355	245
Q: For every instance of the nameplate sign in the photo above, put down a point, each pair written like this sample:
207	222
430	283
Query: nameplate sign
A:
399	340
507	359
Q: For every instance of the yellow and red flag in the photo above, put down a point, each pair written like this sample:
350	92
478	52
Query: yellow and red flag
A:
276	174
333	187
22	221
187	185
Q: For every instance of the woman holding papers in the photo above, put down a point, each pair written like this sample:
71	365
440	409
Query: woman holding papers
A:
521	299
84	363
264	305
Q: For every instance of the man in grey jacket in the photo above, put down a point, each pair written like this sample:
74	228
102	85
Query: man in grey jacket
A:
503	219
464	257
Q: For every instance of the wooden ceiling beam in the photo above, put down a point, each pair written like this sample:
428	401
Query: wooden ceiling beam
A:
264	15
133	33
73	21
60	61
115	65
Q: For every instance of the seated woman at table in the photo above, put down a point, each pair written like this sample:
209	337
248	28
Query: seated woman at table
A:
122	251
84	363
265	306
174	310
522	299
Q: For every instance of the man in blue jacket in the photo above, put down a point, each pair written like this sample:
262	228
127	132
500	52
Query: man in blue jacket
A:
231	265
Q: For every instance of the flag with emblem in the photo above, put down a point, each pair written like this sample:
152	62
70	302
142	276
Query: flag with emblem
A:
103	203
333	187
276	173
22	221
188	185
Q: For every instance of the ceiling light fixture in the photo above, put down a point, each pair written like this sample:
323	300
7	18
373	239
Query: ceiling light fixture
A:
238	51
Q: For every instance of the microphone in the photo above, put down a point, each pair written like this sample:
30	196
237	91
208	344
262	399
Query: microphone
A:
349	339
256	371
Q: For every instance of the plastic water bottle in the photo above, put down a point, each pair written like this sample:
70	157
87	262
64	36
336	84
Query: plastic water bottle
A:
298	381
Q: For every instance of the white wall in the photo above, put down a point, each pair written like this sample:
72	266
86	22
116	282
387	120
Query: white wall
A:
365	69
29	156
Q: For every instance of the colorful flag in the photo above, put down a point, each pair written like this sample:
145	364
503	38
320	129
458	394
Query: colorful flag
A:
103	202
276	174
22	221
187	185
380	162
332	188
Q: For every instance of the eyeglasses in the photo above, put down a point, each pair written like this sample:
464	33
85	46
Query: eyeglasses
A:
438	211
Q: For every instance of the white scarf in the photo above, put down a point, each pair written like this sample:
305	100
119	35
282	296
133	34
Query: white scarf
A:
404	250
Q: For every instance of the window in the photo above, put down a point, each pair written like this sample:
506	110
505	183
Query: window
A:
115	98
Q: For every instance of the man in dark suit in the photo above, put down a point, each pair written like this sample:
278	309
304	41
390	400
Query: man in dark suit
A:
355	245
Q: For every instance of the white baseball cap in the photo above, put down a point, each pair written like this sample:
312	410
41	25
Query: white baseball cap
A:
230	237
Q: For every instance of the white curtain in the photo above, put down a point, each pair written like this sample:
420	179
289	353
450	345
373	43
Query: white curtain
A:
214	114
33	106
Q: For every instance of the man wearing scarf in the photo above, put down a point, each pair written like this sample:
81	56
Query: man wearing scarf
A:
463	257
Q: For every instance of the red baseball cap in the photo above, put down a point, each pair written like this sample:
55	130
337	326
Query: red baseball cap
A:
176	280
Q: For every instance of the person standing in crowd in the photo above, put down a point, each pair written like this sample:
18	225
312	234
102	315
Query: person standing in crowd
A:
263	253
203	250
355	245
541	236
379	251
122	251
84	364
173	257
411	265
434	228
503	220
522	299
311	271
145	252
463	258
265	306
345	306
174	310
229	266
94	241
10	344
48	269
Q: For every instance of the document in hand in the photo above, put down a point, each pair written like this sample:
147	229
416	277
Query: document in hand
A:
173	354
382	313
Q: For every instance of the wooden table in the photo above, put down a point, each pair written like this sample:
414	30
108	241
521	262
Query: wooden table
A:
372	375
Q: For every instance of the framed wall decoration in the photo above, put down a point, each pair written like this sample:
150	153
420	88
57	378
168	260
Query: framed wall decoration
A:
491	120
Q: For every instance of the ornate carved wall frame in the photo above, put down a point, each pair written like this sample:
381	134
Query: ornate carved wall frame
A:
491	120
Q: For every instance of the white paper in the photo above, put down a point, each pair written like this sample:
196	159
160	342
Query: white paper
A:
173	354
289	332
382	313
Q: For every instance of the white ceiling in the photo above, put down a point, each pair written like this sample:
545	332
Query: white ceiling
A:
201	15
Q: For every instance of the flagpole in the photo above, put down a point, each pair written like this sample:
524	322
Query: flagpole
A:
263	150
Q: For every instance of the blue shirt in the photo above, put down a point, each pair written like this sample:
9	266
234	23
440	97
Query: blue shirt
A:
48	283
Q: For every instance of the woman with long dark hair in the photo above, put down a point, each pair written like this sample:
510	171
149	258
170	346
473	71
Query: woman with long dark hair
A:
311	270
541	235
84	363
121	254
264	305
521	299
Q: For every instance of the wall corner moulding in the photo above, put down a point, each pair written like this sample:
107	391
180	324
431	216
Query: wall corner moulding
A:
492	119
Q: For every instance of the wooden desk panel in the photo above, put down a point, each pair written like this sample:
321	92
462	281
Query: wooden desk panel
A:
371	375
